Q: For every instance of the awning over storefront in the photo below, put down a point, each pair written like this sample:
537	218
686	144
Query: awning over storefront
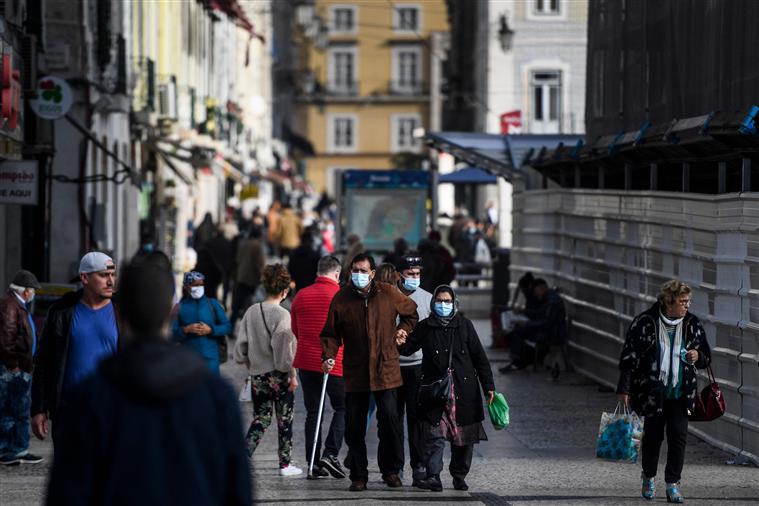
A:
469	175
503	155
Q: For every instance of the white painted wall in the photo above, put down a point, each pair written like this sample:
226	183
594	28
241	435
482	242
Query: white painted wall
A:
539	43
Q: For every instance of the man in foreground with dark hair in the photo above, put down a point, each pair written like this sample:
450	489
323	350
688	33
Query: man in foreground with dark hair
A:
153	425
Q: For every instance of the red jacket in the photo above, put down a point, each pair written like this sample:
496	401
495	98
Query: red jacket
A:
308	314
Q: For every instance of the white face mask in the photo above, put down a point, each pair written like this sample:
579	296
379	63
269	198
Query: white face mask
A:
197	292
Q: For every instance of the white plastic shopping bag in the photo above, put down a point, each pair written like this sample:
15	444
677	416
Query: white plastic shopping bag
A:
245	393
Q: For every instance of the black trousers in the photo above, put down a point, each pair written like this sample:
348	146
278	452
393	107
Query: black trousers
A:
311	382
673	419
461	456
407	396
390	429
241	297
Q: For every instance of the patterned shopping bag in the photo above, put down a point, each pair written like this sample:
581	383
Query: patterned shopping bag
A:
619	436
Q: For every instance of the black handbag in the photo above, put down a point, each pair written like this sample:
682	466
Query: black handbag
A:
437	393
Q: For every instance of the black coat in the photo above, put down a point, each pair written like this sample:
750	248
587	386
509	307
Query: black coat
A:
639	362
471	368
52	354
152	426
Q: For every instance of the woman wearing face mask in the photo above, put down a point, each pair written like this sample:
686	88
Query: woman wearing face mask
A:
267	345
200	321
460	421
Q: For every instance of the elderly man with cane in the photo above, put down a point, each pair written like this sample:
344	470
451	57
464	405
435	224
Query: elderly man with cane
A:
308	314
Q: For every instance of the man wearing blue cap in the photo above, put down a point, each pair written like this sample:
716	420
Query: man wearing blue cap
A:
80	331
18	340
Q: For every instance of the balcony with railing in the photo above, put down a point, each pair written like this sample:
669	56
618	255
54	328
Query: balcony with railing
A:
342	88
408	88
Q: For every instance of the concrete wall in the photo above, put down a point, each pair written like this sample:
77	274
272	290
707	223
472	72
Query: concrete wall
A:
610	251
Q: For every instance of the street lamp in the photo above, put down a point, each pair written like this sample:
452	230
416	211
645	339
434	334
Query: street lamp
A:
505	34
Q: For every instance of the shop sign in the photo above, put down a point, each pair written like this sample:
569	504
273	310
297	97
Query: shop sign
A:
18	182
511	122
52	98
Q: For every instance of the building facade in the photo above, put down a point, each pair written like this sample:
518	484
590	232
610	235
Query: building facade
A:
363	77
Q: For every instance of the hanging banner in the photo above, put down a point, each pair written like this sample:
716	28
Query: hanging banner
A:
18	182
52	98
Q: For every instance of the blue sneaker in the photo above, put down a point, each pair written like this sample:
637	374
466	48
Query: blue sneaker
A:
673	493
647	487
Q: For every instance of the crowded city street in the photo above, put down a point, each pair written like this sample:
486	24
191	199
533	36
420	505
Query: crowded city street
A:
319	252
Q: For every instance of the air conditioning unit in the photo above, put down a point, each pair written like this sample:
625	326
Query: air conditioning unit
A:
167	99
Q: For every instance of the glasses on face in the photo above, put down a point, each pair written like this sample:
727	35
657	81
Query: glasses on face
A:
684	303
448	301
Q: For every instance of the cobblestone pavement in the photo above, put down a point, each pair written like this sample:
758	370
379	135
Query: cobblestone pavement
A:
545	457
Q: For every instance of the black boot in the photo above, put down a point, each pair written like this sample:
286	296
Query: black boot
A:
432	483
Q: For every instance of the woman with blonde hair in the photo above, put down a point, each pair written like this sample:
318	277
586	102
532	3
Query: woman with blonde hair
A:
663	348
266	345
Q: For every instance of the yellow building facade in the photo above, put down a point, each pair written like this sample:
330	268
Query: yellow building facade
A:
365	80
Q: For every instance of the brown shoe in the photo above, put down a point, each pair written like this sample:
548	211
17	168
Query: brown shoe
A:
392	480
357	486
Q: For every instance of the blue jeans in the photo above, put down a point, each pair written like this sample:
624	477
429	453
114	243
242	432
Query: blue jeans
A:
15	400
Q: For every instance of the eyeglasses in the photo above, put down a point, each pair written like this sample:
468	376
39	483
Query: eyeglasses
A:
444	300
684	303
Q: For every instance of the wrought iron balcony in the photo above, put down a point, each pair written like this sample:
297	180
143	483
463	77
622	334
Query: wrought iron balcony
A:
407	87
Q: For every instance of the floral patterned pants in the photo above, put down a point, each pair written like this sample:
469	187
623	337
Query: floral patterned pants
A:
270	393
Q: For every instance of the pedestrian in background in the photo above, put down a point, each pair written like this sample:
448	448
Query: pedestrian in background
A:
309	313
303	262
266	345
18	343
289	231
80	331
251	259
460	421
368	317
200	322
410	270
663	348
272	228
153	425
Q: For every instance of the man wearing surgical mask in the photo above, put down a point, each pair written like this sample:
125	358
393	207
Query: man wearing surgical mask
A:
200	322
410	269
370	319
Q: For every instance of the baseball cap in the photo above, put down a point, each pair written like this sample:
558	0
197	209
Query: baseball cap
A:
95	261
410	261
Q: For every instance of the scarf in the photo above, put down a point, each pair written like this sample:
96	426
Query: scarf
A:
443	320
669	356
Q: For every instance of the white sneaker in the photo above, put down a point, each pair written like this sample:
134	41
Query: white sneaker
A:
290	470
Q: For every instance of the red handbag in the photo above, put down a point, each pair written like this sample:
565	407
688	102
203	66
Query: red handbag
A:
710	403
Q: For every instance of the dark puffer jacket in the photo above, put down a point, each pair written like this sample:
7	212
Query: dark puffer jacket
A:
639	362
471	368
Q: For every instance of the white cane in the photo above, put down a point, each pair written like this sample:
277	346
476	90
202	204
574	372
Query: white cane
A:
319	419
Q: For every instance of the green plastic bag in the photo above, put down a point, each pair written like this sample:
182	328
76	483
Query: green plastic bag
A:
499	412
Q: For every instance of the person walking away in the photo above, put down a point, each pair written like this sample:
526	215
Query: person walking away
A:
272	228
18	343
363	317
289	231
266	345
80	331
400	248
657	379
250	264
200	322
309	314
303	262
153	424
411	366
460	421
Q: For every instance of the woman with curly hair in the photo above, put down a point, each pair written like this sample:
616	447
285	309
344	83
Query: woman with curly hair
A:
266	345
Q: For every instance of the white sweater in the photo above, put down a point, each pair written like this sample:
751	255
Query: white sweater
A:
261	351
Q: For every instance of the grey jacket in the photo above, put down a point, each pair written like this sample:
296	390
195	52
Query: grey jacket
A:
423	300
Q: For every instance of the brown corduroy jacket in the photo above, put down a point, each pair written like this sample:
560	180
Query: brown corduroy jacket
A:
366	328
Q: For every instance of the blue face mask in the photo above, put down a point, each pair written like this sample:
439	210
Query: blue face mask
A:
443	308
411	284
359	279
